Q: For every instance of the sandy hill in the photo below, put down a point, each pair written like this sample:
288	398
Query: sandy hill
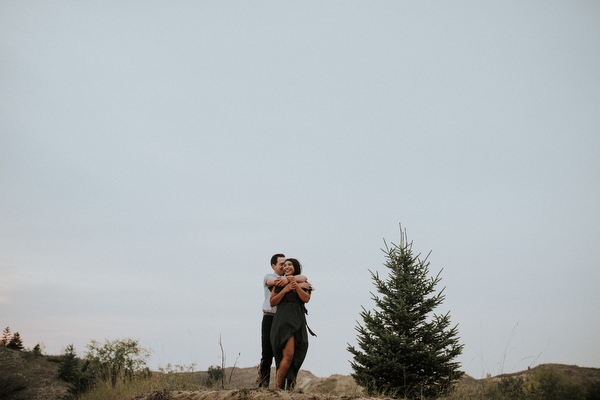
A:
307	382
589	376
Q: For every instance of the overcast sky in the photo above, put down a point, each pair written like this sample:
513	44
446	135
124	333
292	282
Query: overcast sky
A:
155	154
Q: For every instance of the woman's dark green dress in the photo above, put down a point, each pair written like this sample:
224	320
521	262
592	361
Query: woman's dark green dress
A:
290	320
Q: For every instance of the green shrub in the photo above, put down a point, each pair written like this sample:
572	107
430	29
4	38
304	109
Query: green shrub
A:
511	387
118	360
547	384
215	374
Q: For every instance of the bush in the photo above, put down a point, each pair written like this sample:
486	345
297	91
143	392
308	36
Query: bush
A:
540	384
215	374
118	360
511	387
547	384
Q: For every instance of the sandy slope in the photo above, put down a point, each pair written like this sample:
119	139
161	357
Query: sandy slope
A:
239	394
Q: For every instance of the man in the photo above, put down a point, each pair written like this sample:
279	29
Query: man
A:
273	279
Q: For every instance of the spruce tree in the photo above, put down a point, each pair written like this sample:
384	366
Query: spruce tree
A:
68	367
406	350
6	336
37	350
80	380
16	343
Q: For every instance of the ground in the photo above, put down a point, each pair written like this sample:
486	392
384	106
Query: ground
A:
241	394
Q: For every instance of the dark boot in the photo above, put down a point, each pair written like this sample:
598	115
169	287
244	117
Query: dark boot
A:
289	385
264	374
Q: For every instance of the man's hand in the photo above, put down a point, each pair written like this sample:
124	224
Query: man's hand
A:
305	285
281	281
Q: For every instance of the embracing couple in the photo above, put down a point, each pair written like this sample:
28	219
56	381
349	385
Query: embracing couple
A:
284	330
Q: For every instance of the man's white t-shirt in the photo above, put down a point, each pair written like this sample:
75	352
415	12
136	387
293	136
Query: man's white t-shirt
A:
267	309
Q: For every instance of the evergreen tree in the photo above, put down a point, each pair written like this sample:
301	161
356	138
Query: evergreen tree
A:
6	336
80	380
404	349
16	343
37	350
68	367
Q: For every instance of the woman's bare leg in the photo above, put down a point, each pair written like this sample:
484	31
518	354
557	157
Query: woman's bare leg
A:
286	361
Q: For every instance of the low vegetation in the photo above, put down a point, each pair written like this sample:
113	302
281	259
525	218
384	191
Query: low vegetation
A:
545	382
541	383
24	374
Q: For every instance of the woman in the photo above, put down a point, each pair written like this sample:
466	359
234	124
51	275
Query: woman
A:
289	338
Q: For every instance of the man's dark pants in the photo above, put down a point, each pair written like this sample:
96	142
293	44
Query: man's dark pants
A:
267	351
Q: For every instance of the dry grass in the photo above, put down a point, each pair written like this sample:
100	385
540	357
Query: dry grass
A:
24	377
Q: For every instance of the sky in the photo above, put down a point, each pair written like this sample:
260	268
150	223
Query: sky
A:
155	154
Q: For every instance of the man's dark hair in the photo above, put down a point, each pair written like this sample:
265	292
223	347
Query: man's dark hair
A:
275	257
297	266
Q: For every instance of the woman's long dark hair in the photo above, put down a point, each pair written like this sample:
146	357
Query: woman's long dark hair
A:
297	266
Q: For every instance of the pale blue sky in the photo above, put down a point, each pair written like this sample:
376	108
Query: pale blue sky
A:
154	155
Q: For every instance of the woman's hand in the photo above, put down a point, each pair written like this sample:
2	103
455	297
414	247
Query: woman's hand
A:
290	286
